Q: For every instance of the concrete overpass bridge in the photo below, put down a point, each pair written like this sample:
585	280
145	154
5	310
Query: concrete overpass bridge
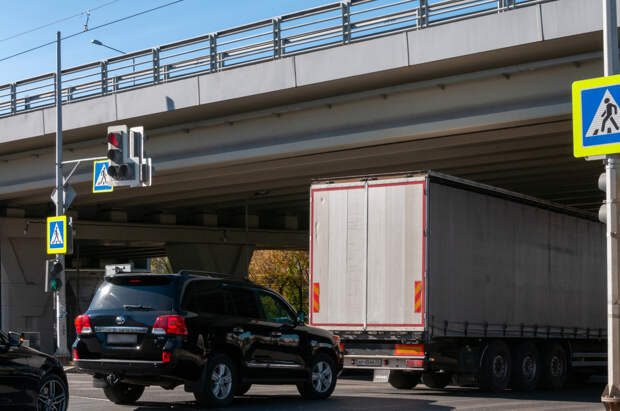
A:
240	121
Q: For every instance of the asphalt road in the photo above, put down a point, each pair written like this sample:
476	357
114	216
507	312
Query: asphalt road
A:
350	394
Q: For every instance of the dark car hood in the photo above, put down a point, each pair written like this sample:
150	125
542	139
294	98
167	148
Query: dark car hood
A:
318	332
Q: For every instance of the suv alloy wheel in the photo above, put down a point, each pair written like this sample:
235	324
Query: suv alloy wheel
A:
322	380
219	382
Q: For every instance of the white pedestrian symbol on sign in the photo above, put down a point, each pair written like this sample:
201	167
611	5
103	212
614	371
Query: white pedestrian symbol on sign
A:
102	178
606	119
56	236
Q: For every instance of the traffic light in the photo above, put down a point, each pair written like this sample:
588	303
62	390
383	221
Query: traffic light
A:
121	168
128	166
53	272
602	185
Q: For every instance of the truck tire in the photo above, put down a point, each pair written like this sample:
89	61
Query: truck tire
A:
404	380
526	367
436	380
555	366
123	393
494	374
219	382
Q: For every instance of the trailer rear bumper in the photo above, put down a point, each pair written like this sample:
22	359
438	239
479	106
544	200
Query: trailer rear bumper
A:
385	362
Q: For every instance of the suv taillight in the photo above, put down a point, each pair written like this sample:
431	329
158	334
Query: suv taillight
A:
82	325
170	324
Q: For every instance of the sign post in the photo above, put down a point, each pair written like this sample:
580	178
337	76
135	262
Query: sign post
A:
611	394
596	132
62	350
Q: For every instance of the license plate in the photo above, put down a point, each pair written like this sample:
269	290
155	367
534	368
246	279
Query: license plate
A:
122	339
368	362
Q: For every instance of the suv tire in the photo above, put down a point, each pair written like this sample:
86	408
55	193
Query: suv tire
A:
403	380
123	393
219	382
53	390
322	379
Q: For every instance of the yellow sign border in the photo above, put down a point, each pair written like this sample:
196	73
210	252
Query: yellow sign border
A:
578	86
63	250
95	177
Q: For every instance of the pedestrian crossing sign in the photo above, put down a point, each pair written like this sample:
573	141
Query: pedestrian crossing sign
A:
57	235
596	116
102	183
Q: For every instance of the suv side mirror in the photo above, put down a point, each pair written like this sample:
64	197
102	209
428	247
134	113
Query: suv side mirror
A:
301	317
15	339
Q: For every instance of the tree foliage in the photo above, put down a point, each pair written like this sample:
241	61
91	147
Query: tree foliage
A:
284	271
161	265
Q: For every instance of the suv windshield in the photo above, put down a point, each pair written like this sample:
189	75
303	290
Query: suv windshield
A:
135	293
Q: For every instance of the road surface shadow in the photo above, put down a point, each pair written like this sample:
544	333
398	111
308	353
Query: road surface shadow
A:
290	402
587	393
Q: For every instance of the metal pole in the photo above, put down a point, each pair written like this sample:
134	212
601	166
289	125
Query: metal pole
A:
611	394
61	320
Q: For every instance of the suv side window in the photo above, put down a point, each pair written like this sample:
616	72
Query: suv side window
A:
274	309
204	297
244	302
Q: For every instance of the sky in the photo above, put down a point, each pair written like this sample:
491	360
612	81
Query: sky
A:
179	21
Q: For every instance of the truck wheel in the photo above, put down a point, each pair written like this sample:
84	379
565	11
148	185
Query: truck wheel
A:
219	382
436	380
555	366
121	393
494	373
526	367
322	381
404	380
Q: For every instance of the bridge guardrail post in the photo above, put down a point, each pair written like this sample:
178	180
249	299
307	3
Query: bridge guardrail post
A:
277	38
103	67
156	65
212	52
166	73
423	14
345	8
13	99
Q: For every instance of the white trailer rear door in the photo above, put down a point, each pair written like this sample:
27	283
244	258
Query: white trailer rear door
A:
367	255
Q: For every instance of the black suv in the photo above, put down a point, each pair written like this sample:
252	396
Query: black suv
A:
216	335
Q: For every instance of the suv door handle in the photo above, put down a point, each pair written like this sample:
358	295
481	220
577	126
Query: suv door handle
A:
238	330
276	334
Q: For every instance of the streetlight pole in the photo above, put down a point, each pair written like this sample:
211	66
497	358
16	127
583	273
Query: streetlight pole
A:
611	394
133	60
61	311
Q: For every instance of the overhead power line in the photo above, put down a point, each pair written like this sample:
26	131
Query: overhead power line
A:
85	12
91	29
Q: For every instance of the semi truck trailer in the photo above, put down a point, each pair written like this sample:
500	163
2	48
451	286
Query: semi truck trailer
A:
431	278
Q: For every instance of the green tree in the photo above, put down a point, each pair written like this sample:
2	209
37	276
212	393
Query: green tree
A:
161	265
284	271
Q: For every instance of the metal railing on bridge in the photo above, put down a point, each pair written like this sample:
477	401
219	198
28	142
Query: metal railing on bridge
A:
308	30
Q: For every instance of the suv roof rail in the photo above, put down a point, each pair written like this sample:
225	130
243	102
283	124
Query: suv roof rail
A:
211	274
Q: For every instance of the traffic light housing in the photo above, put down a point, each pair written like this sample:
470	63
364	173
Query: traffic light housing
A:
128	166
53	273
602	185
121	168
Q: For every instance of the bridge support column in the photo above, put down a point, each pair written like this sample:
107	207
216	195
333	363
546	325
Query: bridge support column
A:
24	305
216	257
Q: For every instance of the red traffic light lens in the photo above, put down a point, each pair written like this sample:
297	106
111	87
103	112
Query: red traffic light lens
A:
114	139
